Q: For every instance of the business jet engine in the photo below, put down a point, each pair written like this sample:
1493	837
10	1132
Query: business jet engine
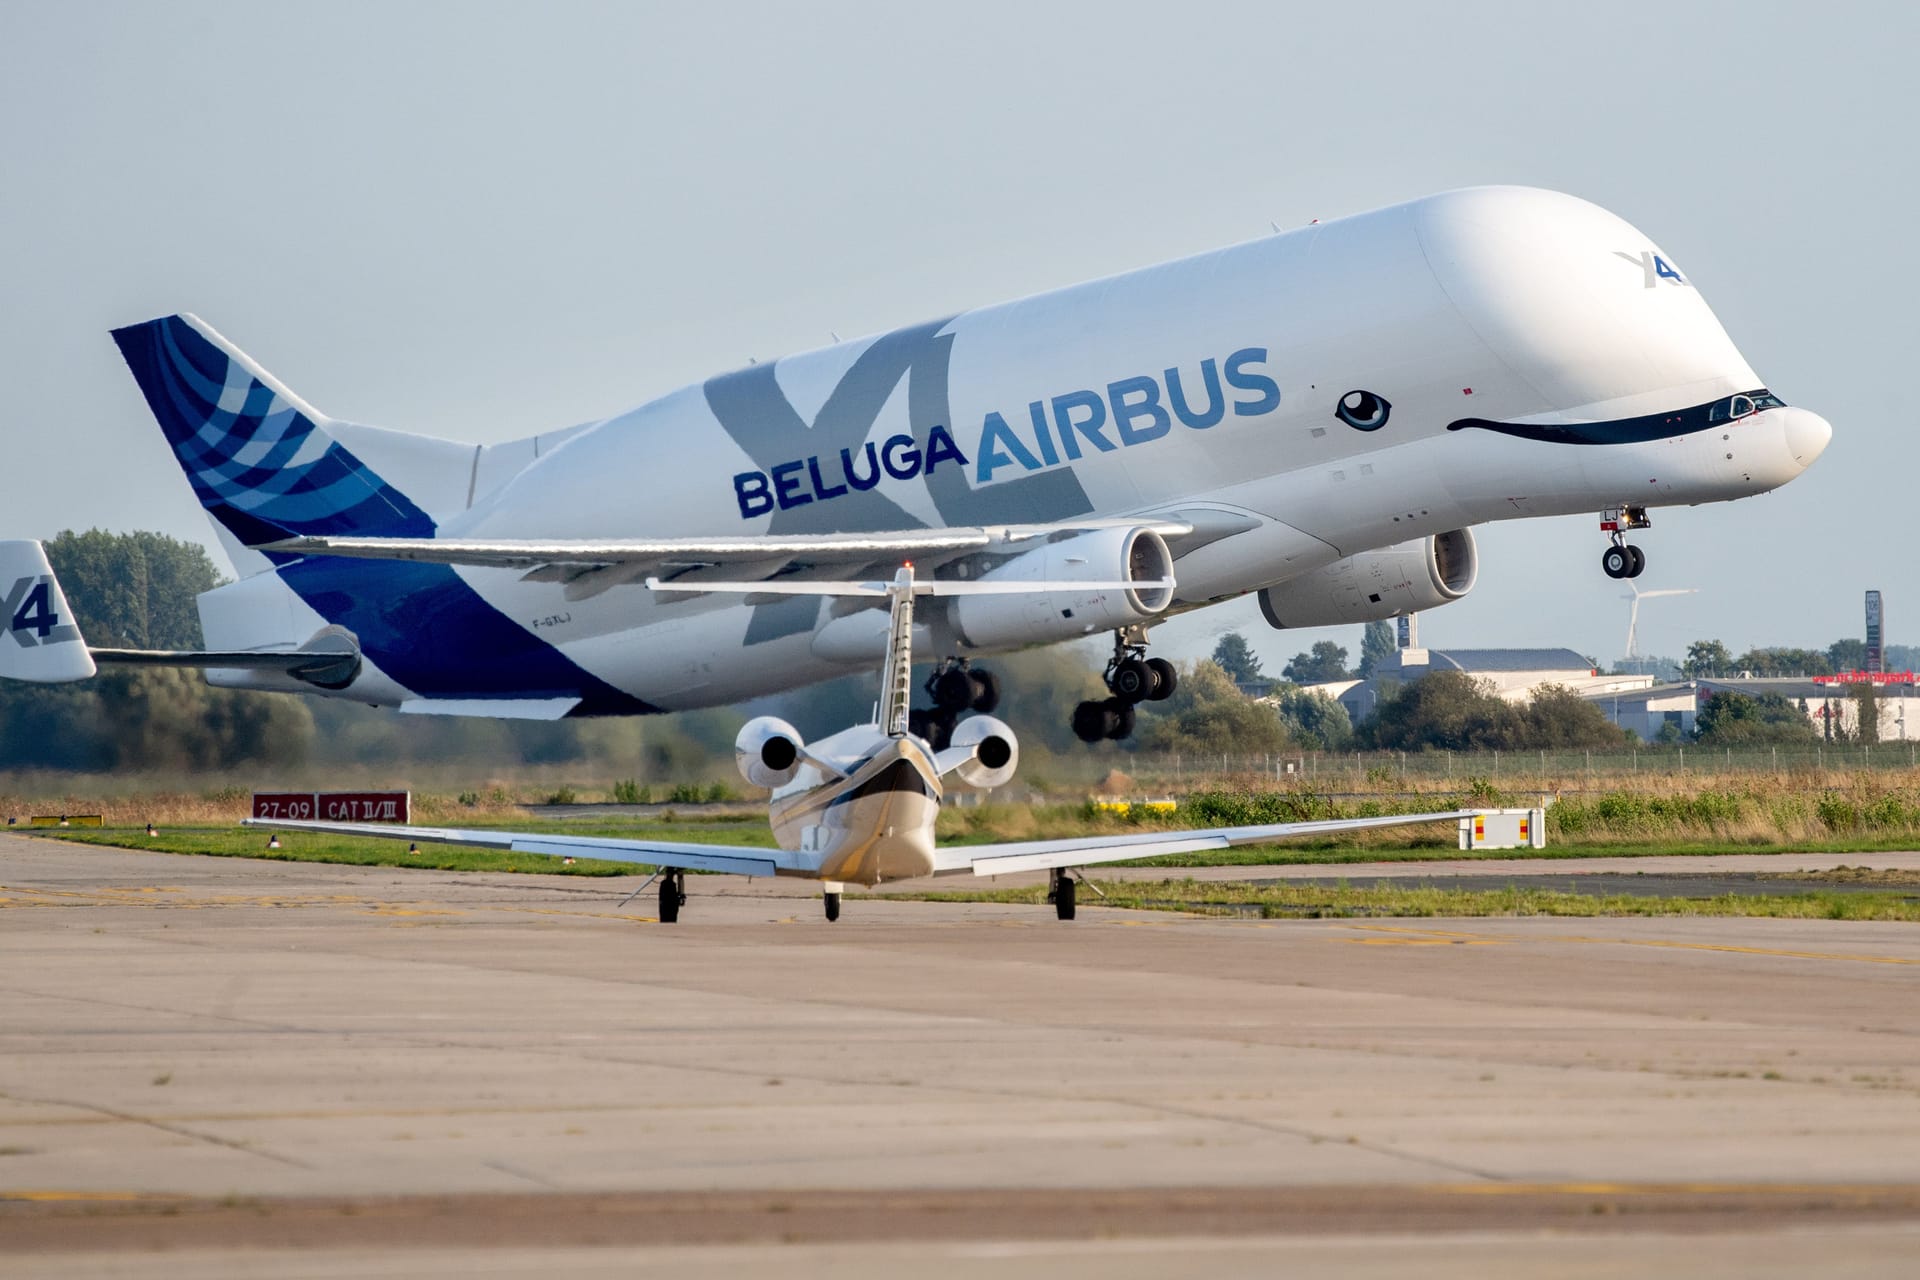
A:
1132	555
992	753
1400	579
767	751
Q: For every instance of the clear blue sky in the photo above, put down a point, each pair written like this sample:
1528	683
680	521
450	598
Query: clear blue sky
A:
481	220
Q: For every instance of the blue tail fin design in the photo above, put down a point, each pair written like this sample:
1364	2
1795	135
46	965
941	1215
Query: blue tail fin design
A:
260	459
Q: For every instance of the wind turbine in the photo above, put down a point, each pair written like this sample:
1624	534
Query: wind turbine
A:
1633	611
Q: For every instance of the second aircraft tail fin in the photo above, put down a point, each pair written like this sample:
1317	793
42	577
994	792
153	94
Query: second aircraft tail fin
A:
39	639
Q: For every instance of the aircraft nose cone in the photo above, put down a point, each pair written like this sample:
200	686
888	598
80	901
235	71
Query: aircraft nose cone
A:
1807	435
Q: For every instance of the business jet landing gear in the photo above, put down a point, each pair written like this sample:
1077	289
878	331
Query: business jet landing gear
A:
1622	560
673	895
1132	677
1060	892
955	688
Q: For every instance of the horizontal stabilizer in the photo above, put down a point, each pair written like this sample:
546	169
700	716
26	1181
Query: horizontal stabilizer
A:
42	641
327	670
736	859
1081	851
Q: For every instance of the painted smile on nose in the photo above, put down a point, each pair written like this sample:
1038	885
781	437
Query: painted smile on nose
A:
1640	430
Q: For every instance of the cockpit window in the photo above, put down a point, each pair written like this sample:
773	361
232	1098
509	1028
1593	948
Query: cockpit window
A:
1742	406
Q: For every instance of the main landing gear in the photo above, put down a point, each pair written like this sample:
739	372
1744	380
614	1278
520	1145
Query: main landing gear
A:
673	895
832	895
956	688
1060	892
1132	677
1620	560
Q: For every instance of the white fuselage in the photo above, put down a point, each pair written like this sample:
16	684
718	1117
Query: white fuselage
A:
1207	386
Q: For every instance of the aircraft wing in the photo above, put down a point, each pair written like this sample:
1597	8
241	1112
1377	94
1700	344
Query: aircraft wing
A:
740	860
589	566
1080	851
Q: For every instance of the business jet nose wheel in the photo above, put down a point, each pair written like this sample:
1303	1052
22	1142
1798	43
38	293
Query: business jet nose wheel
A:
1132	677
1622	560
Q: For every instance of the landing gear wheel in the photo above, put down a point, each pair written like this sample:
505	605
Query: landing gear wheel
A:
1119	719
986	692
1131	681
833	906
1090	721
1639	564
1165	679
934	727
673	892
1617	561
952	689
1060	894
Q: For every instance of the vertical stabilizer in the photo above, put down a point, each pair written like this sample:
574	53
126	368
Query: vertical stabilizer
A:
263	462
42	641
896	678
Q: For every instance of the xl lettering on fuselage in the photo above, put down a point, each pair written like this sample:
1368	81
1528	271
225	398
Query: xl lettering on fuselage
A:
1060	430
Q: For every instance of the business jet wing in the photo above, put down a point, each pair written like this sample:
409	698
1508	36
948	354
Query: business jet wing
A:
1081	851
589	566
743	860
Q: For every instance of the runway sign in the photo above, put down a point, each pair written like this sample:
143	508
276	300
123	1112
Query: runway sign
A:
334	806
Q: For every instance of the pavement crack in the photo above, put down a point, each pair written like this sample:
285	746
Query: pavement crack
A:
179	1131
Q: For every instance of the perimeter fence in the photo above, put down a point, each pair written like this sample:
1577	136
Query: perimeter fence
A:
1333	772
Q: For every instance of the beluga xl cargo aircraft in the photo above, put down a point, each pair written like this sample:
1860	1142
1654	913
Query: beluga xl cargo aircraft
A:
1319	416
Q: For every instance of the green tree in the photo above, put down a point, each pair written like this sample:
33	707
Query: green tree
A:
1235	656
1312	719
1866	713
1208	713
1778	661
133	590
1729	719
1324	662
1558	718
1706	658
1447	709
1847	655
1377	644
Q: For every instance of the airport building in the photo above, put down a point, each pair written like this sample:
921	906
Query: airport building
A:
1513	673
1827	702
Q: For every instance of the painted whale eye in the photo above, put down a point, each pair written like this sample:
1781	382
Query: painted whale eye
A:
1363	410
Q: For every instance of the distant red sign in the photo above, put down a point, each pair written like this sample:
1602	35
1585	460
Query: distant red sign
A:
1867	677
333	806
363	806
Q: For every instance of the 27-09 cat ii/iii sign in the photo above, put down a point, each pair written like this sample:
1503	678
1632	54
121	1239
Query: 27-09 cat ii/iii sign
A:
333	806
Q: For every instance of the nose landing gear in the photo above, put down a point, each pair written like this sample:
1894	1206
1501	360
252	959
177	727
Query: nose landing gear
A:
1622	560
1132	677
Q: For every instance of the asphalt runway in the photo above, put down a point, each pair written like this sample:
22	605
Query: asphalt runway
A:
215	1067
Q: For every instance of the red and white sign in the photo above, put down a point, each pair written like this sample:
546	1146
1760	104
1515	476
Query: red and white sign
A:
1867	677
333	806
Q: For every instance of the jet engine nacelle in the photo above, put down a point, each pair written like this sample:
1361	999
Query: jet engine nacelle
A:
1041	617
992	753
767	752
1395	580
